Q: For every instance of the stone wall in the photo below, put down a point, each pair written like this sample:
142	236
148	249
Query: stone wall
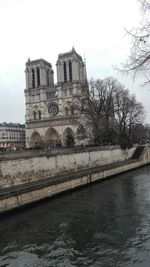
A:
27	179
19	199
22	168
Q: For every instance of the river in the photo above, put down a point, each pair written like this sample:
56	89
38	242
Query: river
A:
104	225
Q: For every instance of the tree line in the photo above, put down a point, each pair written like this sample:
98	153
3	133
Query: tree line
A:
112	113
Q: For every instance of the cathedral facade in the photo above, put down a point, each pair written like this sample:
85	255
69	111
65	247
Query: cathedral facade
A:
53	109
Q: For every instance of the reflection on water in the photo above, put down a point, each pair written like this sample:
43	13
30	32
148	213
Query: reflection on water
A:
106	224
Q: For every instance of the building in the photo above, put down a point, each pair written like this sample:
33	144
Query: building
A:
52	109
12	135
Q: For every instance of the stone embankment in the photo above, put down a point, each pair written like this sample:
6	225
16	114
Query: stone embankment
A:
30	176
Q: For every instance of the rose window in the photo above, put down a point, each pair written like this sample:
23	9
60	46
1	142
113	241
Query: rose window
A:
53	109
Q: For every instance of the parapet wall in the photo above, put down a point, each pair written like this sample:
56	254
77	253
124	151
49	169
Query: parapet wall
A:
26	167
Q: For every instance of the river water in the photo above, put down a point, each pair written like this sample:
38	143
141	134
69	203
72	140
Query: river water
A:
105	224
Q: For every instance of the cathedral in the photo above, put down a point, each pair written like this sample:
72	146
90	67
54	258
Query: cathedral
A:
53	109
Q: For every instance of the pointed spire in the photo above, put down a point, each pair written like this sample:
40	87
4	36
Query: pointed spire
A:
73	50
85	72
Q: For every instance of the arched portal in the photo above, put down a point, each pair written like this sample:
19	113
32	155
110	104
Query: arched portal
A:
52	138
36	140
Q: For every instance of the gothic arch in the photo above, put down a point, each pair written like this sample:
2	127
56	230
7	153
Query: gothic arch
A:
38	77
33	78
84	103
66	111
47	77
52	138
68	103
36	107
65	72
36	140
34	115
74	110
35	112
39	114
70	71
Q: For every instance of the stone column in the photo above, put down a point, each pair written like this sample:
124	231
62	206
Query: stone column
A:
42	76
27	78
51	78
35	77
60	73
27	97
30	78
27	116
75	71
75	90
42	95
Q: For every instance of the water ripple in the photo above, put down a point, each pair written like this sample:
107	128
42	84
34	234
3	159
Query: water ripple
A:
104	225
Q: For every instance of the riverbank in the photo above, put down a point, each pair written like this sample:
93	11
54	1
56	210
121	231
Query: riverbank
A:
42	176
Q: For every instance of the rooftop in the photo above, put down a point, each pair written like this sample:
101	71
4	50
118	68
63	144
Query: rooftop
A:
11	124
73	51
37	61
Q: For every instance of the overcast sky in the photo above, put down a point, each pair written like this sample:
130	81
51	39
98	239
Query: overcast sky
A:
45	28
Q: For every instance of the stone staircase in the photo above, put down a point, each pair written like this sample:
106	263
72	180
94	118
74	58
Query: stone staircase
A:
138	152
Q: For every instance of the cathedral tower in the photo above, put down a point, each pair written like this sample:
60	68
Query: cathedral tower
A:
70	68
38	73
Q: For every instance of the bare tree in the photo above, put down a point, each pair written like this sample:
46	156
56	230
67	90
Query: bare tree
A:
140	134
99	108
136	115
94	106
128	112
139	59
109	111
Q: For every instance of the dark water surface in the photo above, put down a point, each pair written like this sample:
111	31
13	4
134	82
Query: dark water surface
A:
106	224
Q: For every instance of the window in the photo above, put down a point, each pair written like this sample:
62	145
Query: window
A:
3	135
53	109
33	78
66	111
70	71
51	95
71	91
38	77
39	114
72	110
65	72
34	115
